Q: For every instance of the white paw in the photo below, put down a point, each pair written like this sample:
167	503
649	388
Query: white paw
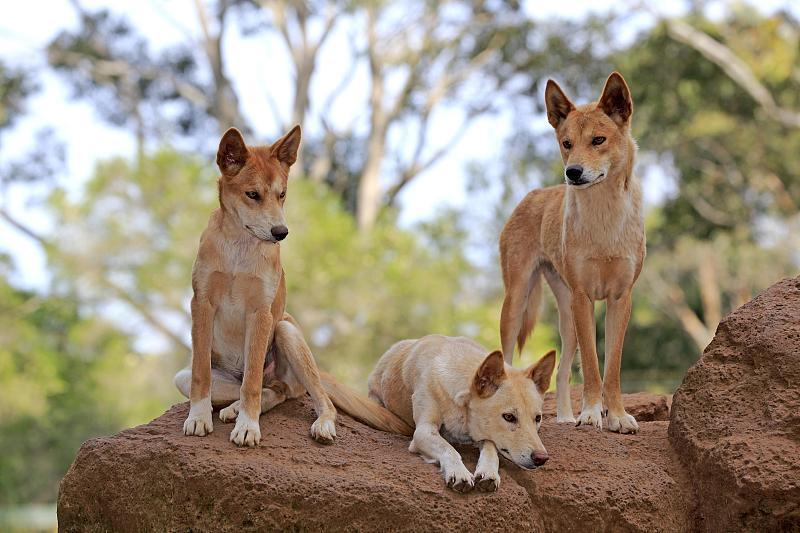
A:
564	406
567	418
591	415
199	421
246	432
230	413
623	423
323	430
486	481
458	477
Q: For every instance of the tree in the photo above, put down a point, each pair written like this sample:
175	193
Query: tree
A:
725	125
64	377
432	51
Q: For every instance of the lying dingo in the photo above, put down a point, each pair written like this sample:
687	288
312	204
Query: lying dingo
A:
451	390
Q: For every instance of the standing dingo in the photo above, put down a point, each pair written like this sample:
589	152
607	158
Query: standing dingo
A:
586	237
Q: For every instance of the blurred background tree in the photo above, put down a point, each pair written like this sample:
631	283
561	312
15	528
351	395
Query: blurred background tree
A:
92	347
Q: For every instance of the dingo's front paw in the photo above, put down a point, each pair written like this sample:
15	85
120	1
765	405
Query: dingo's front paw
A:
230	413
323	430
487	481
458	478
199	426
622	423
565	419
246	432
591	416
199	421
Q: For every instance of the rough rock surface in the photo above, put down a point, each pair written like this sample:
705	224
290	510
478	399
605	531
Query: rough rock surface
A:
730	461
736	417
152	478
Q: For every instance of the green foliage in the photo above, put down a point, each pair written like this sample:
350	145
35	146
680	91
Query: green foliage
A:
132	235
735	164
63	378
15	86
356	294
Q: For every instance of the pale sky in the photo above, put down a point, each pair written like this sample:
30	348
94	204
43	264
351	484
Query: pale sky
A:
27	26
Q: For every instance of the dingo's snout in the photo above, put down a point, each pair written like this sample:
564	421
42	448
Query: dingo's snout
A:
279	232
539	458
574	174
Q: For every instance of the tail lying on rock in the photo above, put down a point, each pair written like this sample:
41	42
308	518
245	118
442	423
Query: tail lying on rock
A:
362	408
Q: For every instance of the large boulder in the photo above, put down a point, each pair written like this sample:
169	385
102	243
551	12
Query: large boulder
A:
736	417
730	461
152	478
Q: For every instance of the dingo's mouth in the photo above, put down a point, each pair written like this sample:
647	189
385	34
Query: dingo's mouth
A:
260	237
524	467
586	184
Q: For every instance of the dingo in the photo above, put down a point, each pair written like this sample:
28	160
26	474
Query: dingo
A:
586	237
246	351
451	390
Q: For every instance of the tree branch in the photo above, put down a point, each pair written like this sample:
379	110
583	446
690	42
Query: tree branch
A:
144	310
121	293
734	67
22	228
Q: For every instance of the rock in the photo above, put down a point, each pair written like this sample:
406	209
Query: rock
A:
729	461
736	417
644	406
152	478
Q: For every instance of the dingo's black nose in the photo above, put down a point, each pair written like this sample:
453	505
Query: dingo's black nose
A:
539	458
574	172
279	232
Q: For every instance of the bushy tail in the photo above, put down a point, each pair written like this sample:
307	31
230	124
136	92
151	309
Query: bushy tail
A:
362	408
531	312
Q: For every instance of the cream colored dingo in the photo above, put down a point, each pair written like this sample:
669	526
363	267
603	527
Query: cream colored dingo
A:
452	389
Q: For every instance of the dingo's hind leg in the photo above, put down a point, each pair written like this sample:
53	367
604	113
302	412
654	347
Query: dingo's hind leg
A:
225	390
294	358
569	344
271	395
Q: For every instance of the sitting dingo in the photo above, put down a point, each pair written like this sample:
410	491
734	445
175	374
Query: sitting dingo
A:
450	389
247	352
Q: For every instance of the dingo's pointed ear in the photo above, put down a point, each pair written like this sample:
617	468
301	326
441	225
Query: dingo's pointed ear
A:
490	374
285	149
232	153
557	103
542	371
616	100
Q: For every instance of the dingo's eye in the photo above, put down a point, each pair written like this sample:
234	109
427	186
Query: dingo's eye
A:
510	417
253	195
566	144
538	418
283	195
597	141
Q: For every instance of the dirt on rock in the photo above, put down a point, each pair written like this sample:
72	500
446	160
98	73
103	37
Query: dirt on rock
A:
736	417
152	478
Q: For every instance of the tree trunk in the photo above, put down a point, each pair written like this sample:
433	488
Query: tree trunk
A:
369	186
